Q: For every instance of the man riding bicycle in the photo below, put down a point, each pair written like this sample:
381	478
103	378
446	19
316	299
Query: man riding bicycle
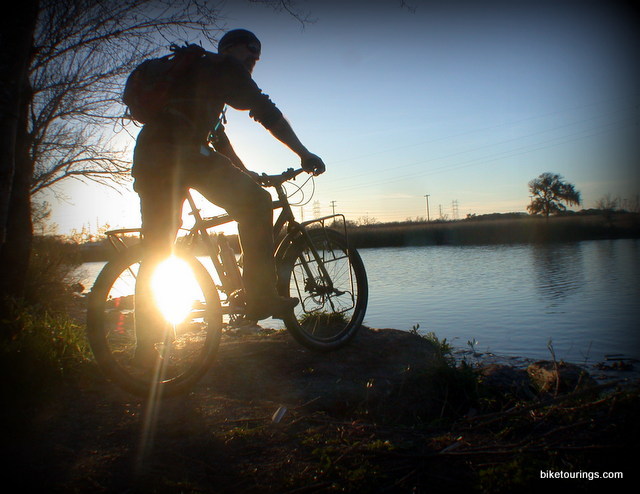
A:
178	150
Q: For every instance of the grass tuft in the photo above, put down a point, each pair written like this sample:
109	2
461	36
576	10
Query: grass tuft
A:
40	342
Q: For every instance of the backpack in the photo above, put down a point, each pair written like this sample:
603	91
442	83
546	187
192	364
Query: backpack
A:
148	87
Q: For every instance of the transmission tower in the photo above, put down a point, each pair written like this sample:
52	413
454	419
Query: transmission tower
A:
454	209
316	209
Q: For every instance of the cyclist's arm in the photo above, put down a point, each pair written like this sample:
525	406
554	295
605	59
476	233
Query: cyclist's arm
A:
283	131
245	95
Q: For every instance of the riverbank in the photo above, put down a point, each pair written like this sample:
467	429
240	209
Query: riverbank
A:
389	413
499	229
512	228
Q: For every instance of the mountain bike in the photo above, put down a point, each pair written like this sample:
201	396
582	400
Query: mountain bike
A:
314	263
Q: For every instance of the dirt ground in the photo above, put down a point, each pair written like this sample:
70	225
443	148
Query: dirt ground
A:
271	416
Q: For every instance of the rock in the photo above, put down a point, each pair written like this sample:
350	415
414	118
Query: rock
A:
77	287
561	377
275	368
507	380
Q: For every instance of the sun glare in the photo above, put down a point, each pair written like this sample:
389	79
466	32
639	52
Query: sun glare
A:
174	289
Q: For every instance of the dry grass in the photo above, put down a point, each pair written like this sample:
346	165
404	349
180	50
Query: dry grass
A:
503	229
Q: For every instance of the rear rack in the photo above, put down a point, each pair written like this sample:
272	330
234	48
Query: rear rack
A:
118	238
339	223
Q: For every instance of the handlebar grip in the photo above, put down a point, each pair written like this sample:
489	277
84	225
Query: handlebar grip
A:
273	180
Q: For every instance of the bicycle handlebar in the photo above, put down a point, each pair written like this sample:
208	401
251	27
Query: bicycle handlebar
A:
275	180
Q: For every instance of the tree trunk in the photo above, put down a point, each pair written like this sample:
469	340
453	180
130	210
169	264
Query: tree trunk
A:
16	250
16	166
16	41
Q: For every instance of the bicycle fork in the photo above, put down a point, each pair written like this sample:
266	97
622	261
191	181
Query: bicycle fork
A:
318	285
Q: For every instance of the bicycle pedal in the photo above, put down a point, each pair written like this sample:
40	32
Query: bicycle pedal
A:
233	309
243	324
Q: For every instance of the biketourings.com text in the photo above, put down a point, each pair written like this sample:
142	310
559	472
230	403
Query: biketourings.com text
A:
550	474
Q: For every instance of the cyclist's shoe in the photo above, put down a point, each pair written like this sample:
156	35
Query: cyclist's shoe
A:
276	307
243	326
237	299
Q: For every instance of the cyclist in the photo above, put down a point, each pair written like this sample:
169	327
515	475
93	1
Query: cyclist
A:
180	151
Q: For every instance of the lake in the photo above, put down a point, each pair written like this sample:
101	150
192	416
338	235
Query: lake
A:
511	300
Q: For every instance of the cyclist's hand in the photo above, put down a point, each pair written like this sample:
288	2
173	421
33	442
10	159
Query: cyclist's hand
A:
313	164
255	176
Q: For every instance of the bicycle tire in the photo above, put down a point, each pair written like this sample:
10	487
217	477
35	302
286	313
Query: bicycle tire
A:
111	334
325	319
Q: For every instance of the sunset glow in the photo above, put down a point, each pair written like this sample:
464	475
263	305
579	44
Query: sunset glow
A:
174	288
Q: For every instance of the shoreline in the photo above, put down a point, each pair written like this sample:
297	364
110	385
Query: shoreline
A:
272	417
613	371
508	229
499	229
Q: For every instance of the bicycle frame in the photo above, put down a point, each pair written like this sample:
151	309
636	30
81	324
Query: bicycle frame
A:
285	222
315	265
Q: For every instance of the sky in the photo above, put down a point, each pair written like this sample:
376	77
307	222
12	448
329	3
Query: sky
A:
463	101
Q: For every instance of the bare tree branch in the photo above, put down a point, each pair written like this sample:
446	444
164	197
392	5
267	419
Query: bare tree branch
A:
288	6
84	50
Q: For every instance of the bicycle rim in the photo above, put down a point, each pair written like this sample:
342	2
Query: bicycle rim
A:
188	348
332	308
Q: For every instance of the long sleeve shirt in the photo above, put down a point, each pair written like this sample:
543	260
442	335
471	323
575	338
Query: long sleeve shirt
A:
212	82
194	106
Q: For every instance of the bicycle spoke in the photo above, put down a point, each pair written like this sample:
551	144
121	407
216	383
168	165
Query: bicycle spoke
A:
186	348
331	286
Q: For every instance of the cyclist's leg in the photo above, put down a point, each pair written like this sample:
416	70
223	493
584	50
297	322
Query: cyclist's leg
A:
160	207
250	205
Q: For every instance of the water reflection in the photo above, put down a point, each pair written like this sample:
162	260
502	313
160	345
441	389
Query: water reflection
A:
559	271
511	299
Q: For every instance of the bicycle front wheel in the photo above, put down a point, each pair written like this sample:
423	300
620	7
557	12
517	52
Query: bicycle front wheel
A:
188	348
330	281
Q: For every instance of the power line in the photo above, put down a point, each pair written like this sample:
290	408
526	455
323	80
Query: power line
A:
491	157
512	123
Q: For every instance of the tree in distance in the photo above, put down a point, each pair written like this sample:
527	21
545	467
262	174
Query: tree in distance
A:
550	193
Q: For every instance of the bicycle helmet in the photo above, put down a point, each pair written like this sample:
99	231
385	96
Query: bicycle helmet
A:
237	36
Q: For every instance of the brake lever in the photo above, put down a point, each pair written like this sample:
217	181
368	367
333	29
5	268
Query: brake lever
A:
264	180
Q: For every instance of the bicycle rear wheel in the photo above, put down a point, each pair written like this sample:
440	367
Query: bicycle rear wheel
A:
188	349
332	289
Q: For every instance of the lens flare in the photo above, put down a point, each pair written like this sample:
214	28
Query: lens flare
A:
174	287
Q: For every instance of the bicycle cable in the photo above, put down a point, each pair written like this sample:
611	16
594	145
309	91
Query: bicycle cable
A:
299	189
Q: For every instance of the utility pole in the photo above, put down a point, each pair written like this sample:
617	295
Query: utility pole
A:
333	207
428	219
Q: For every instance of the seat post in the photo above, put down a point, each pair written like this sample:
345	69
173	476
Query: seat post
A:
195	212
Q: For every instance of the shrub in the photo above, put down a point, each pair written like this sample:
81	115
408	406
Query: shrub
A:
52	273
47	353
40	343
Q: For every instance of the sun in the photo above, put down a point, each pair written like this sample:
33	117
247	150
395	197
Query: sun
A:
175	288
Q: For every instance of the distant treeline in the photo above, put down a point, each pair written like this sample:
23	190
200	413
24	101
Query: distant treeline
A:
508	228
